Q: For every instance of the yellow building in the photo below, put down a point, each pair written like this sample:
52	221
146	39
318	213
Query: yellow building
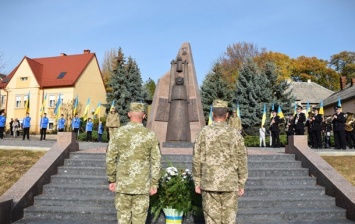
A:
44	80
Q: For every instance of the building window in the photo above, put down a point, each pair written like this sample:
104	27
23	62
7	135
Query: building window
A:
2	101
24	78
50	125
51	101
18	101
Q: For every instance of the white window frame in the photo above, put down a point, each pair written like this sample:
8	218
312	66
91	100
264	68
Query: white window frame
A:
18	102
52	101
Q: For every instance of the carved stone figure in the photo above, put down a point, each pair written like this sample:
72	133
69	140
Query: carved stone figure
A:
178	122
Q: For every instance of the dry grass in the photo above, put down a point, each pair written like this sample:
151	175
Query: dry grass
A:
345	165
13	164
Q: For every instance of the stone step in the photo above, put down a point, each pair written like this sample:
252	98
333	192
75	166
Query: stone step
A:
67	221
257	172
78	179
284	191
277	172
285	202
90	171
74	189
188	158
277	215
274	164
86	213
85	163
320	221
74	200
281	181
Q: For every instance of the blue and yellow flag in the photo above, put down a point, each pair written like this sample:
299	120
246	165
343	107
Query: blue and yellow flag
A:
308	109
210	118
112	105
97	110
280	113
238	110
43	107
27	105
75	105
339	102
295	109
263	119
86	111
58	106
321	110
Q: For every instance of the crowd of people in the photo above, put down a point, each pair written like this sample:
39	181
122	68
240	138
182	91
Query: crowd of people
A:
16	127
317	127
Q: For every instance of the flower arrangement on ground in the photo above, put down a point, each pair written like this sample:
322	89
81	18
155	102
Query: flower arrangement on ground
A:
176	191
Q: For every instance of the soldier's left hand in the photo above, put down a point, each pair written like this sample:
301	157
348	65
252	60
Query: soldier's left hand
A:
153	191
241	192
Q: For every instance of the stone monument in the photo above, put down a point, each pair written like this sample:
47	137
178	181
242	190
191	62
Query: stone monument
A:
176	114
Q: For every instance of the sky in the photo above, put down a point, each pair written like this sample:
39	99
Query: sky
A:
151	32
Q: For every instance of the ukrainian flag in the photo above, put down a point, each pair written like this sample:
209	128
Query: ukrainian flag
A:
75	105
238	110
280	113
321	110
112	105
308	109
86	111
43	105
263	119
210	118
97	110
57	107
27	105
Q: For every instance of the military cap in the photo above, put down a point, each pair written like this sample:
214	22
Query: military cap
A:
137	107
315	108
337	107
220	103
299	107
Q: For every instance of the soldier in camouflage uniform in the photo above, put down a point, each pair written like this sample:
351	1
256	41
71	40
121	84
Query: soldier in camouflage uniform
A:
235	122
133	164
220	167
112	122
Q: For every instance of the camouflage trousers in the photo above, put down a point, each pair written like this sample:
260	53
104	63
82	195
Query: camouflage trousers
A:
220	207
132	208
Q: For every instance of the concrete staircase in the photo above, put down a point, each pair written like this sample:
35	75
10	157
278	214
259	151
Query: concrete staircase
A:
279	190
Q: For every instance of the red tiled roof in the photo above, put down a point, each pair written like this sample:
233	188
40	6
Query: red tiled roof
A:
47	70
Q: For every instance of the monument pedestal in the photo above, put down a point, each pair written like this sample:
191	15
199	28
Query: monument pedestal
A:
176	151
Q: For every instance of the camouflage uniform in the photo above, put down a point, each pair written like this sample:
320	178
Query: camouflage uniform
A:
112	122
220	170
133	162
235	122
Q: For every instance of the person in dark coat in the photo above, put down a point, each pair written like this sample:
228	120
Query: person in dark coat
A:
338	121
300	118
309	125
290	126
317	120
275	130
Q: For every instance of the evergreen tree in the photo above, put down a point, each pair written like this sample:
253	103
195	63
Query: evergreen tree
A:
126	85
214	87
281	94
149	88
249	95
135	82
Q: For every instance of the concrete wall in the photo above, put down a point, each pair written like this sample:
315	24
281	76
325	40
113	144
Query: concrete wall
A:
335	184
21	194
